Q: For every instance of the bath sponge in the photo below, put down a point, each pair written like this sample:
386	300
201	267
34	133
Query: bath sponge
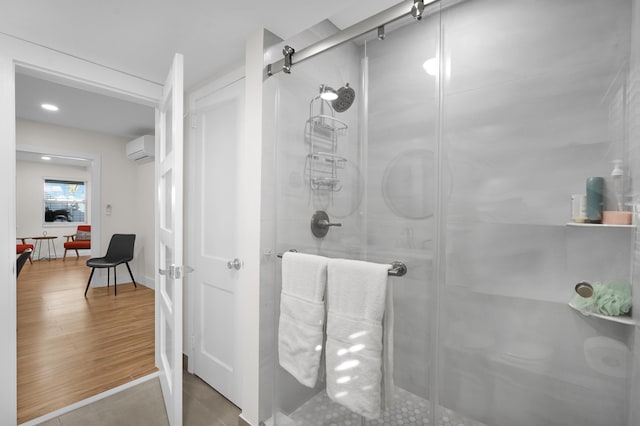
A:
612	298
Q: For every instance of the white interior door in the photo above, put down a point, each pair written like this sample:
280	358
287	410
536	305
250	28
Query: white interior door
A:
169	153
217	125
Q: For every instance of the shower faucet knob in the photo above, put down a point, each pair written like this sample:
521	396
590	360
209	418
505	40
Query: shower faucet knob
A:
320	224
326	223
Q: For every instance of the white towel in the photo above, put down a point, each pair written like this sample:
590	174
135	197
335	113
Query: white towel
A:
356	306
301	327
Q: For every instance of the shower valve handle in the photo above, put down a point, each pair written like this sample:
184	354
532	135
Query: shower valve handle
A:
326	224
320	224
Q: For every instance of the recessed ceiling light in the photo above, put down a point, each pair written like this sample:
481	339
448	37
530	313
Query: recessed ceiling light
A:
49	107
44	157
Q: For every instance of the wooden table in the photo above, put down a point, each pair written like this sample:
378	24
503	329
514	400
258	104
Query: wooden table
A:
50	243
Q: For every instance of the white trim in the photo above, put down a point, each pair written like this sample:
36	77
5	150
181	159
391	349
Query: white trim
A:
196	96
8	319
249	249
90	400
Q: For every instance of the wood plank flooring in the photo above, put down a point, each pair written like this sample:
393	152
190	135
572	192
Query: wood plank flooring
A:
71	347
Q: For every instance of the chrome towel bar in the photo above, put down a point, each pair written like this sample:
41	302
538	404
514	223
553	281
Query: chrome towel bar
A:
398	269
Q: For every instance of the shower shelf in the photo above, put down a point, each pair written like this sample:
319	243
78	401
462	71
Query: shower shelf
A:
325	127
321	133
598	225
321	168
620	319
327	183
328	160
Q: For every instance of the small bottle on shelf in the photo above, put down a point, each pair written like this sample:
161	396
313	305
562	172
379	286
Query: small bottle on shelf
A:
595	187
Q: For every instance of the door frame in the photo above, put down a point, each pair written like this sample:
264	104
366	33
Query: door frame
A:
197	102
54	66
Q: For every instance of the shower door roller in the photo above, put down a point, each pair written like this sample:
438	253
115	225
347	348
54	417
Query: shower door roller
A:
234	264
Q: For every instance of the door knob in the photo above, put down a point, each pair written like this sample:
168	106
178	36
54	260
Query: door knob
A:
234	264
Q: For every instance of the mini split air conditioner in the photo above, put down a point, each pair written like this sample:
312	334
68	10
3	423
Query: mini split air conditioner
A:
141	150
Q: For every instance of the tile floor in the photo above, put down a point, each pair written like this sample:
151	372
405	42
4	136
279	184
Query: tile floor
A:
405	409
142	405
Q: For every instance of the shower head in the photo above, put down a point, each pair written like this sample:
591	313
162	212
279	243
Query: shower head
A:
328	93
346	96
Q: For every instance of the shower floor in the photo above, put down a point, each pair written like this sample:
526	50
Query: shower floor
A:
406	409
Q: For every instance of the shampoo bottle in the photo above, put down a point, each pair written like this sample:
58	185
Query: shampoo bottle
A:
595	186
617	180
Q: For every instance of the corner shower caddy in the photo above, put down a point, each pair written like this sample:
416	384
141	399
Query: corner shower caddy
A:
321	132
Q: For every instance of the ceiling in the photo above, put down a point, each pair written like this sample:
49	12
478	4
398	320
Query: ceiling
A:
141	37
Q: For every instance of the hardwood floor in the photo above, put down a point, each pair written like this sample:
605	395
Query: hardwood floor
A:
71	347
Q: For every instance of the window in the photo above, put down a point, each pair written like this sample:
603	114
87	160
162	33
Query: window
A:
65	201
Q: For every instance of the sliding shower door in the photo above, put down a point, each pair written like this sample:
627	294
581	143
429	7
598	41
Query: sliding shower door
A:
470	131
313	163
402	113
533	104
372	169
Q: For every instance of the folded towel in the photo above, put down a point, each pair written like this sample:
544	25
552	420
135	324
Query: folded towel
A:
354	353
301	326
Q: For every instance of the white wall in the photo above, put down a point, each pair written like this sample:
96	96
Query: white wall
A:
145	226
127	186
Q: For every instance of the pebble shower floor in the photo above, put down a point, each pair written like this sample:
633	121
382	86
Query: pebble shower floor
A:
406	409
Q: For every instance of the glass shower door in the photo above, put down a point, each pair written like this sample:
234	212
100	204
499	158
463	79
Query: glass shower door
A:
533	105
371	168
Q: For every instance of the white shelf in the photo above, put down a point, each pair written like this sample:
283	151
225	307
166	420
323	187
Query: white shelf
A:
620	319
598	225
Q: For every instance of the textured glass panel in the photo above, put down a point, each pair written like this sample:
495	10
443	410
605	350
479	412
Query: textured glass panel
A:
375	173
167	189
169	130
168	345
169	282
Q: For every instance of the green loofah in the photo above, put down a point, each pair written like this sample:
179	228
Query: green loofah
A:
613	298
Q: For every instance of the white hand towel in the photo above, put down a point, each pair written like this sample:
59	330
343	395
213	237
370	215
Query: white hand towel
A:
356	306
301	326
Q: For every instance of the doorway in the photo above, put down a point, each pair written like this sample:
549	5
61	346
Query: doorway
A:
70	142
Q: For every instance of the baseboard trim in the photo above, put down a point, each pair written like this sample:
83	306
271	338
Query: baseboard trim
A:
242	421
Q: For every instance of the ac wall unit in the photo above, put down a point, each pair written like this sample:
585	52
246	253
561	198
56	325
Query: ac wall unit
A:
142	149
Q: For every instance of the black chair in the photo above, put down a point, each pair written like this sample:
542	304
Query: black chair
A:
21	260
120	251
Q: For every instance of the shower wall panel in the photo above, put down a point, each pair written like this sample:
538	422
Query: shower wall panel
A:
532	106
